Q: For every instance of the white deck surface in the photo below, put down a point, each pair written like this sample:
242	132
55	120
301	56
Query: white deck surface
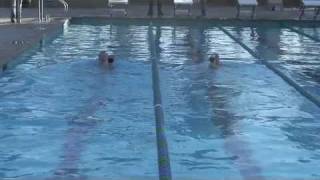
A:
248	2
311	2
183	2
118	2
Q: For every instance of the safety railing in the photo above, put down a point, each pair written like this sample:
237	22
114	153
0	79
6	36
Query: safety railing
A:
41	15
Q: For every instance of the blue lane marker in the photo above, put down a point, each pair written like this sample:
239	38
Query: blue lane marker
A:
162	145
313	98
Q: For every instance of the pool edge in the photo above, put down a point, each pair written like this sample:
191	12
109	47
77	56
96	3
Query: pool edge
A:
46	32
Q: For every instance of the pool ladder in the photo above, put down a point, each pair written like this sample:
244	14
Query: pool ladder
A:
41	16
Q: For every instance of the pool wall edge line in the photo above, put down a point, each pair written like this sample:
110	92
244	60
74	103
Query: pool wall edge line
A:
187	18
101	21
156	178
32	47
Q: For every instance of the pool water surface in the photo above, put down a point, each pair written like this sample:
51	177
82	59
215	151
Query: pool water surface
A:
64	116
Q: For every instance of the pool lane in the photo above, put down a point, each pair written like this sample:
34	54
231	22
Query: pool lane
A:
197	146
116	149
237	121
255	107
201	42
69	118
291	53
266	42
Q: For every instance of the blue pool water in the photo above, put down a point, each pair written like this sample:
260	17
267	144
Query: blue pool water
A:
64	116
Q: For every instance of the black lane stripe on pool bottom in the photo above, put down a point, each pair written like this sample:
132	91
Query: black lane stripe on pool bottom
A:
313	98
313	38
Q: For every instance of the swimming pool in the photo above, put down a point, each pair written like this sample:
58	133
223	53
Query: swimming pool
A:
63	116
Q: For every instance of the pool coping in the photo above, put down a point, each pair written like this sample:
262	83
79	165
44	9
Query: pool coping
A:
186	21
45	32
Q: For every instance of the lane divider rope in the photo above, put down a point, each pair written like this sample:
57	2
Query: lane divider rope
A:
162	145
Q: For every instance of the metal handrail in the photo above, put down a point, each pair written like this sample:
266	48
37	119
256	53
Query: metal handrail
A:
16	11
41	9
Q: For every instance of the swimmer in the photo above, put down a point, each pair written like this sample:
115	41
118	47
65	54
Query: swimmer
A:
196	56
106	59
4	67
214	60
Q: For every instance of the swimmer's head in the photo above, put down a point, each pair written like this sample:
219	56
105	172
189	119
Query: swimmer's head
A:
4	67
106	59
103	57
110	59
214	59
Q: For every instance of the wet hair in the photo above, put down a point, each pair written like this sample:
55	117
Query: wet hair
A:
214	57
211	59
110	60
4	67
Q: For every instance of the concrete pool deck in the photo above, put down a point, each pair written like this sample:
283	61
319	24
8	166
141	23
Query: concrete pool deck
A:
140	11
16	38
